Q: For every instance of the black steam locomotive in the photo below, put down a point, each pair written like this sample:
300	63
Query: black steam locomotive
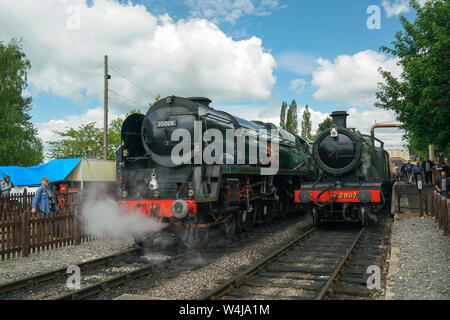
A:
354	182
196	167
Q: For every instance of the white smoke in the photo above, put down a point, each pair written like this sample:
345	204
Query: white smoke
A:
105	218
365	164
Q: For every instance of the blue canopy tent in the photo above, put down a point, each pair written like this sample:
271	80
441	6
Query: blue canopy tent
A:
55	170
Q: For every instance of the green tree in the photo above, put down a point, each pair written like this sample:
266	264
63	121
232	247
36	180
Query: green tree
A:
85	142
19	144
420	98
325	124
283	115
292	118
306	123
157	98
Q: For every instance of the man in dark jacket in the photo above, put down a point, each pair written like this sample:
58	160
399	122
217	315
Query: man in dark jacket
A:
445	167
443	184
427	167
404	173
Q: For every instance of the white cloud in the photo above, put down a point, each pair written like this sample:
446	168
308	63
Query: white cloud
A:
364	120
45	129
230	10
317	118
297	85
352	79
397	7
187	58
297	62
271	113
361	120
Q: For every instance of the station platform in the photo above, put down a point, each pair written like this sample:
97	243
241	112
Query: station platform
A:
406	200
418	262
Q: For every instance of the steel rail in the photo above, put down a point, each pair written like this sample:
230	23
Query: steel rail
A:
105	285
336	271
26	282
229	285
116	281
235	281
121	279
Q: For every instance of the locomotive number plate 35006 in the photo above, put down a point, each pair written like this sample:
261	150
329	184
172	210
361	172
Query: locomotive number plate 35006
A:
166	124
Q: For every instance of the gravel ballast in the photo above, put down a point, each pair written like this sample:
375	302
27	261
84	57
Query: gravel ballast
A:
46	261
192	284
423	252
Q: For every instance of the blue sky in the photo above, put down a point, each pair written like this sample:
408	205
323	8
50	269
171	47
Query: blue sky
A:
320	53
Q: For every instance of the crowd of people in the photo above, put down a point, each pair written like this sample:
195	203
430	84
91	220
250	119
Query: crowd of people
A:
414	171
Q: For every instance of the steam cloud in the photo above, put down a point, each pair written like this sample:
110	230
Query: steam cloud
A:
104	217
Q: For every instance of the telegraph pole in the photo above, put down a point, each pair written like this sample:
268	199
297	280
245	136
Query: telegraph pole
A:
105	118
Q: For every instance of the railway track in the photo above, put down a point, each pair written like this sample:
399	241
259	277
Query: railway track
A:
373	249
187	261
29	282
305	268
100	287
103	280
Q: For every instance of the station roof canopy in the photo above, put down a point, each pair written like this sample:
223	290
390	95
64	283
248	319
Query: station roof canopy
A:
61	170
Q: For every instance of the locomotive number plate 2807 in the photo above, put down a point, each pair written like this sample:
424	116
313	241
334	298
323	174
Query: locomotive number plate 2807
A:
166	124
347	195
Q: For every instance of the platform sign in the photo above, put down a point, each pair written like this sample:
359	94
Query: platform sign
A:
419	184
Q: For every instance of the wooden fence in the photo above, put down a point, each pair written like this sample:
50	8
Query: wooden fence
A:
23	232
440	210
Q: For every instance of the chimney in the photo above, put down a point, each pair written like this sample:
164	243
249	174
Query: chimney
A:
340	118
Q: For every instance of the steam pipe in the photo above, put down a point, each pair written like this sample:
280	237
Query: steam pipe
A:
372	130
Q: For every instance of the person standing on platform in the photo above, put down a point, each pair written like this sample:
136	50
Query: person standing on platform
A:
409	170
443	184
427	167
417	172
